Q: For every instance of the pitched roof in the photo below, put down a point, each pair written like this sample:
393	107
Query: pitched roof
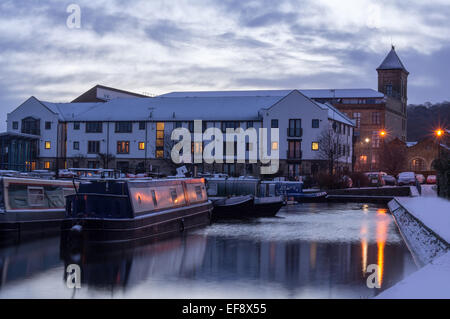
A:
312	94
392	62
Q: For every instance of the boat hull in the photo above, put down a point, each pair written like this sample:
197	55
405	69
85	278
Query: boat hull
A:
267	207
233	208
97	231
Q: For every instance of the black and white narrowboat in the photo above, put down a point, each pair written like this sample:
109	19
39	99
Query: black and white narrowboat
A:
105	212
31	207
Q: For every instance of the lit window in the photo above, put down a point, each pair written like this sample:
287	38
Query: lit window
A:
47	165
160	126
363	159
315	146
141	145
159	154
275	146
48	145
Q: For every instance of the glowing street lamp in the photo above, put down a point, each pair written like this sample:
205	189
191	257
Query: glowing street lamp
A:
439	132
367	140
383	133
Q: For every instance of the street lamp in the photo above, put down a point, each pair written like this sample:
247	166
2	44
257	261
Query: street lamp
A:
439	134
367	140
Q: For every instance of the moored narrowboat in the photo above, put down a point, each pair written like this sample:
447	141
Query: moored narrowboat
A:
119	211
30	207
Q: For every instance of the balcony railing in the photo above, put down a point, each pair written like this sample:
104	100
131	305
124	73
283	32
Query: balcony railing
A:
294	155
294	132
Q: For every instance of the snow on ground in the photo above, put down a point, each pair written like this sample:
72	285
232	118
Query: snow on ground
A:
434	212
430	282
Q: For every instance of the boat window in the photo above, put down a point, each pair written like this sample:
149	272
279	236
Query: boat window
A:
198	191
155	203
173	194
36	196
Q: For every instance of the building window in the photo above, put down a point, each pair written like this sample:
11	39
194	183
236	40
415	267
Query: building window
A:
15	125
48	145
295	128
275	146
363	159
123	147
48	125
357	118
94	127
76	145
178	124
92	164
294	171
315	123
47	165
229	124
294	150
141	146
93	147
160	139
250	124
389	89
375	139
124	127
376	118
274	124
142	125
417	165
76	126
31	126
315	146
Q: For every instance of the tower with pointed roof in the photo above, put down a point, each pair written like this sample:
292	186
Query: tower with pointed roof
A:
393	77
393	83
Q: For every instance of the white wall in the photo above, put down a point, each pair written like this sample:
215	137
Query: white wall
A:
33	108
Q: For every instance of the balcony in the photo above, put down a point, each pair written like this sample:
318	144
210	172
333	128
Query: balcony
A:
294	132
294	155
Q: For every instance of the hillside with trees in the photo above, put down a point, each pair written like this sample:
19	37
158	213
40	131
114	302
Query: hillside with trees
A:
424	118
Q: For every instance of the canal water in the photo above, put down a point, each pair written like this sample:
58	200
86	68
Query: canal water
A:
316	250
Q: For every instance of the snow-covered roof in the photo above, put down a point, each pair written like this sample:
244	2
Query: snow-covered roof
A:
67	111
166	109
312	94
231	108
410	144
392	62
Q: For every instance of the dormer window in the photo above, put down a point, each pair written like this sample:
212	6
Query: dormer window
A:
389	89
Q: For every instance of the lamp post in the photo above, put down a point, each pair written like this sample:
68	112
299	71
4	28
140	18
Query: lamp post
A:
439	133
367	140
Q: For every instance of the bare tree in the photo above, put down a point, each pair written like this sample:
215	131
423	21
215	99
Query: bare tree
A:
330	149
105	159
393	157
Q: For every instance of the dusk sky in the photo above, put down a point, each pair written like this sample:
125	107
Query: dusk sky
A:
161	46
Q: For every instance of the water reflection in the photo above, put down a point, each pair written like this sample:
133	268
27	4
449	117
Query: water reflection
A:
311	250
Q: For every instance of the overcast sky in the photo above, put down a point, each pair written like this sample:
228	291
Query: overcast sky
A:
161	46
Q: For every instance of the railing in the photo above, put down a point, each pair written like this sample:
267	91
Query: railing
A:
294	132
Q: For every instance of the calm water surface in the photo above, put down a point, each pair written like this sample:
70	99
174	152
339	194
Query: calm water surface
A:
308	251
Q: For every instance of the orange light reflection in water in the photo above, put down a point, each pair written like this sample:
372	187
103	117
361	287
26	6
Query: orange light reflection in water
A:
364	248
382	228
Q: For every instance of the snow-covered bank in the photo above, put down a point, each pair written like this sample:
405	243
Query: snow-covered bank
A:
423	242
430	282
424	223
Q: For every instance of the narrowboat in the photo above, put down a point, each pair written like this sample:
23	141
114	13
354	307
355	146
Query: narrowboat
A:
234	195
291	191
232	207
120	211
31	207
